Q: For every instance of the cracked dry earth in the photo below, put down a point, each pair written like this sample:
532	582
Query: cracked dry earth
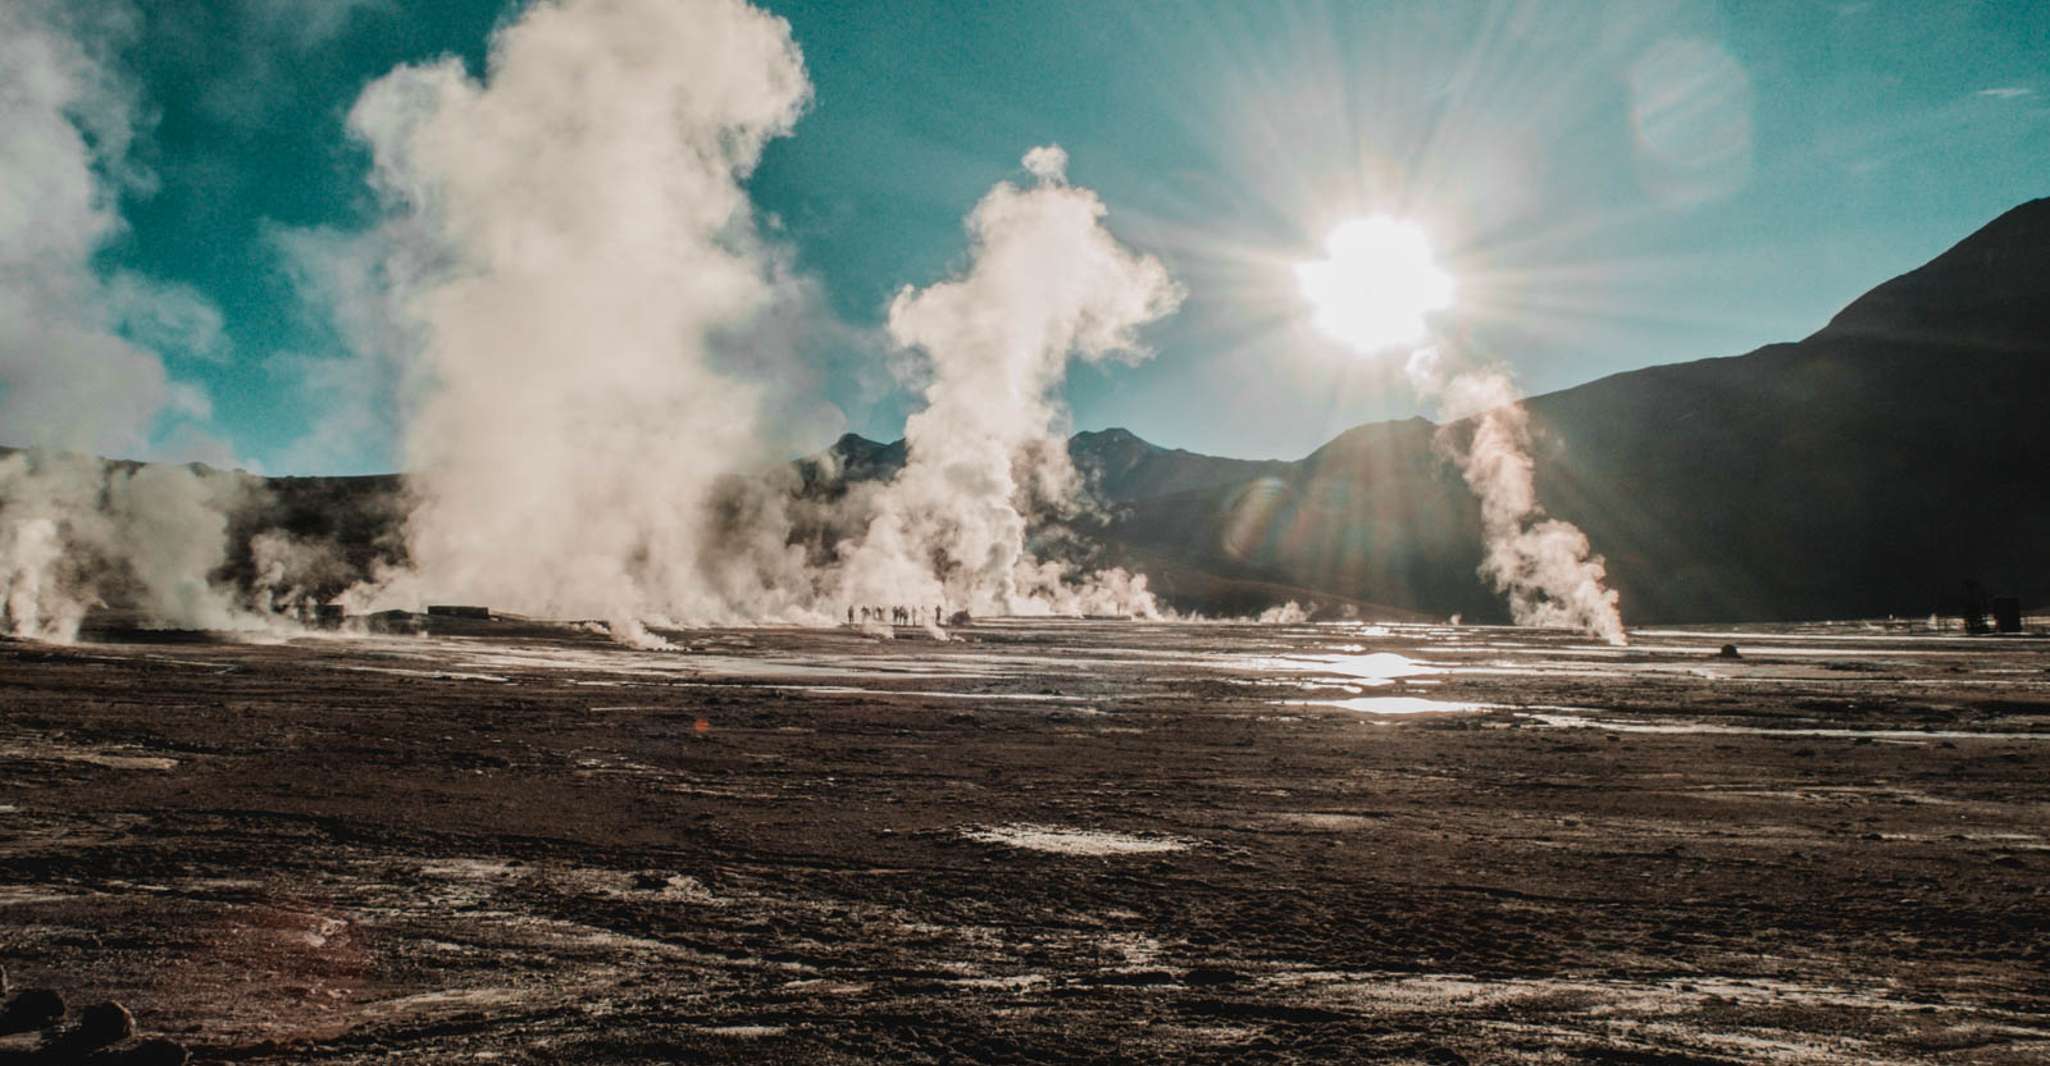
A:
1040	842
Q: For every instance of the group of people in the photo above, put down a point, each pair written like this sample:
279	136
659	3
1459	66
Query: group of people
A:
898	616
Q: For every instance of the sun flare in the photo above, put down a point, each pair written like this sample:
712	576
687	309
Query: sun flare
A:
1376	285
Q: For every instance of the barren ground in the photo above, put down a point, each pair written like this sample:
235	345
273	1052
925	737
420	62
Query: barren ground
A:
1040	842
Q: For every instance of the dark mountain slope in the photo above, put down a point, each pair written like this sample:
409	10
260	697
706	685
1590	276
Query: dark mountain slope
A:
1986	292
1869	469
1121	467
1118	466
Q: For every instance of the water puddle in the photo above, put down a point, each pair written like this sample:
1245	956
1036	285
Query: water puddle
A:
856	690
108	760
1575	721
746	1032
1398	705
1067	840
1371	670
430	675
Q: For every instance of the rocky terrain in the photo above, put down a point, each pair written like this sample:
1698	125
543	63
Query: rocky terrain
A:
1038	842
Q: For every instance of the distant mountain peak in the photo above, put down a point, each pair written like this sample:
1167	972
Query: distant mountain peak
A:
1989	291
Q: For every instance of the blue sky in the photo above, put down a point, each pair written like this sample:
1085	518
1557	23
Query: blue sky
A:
1613	185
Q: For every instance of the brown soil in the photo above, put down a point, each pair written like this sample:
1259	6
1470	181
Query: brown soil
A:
1038	843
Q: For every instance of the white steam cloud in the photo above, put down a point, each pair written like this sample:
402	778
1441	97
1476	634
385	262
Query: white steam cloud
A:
571	238
68	379
1045	282
1544	565
591	345
601	328
75	532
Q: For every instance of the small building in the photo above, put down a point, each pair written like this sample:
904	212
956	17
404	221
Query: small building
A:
394	621
2007	614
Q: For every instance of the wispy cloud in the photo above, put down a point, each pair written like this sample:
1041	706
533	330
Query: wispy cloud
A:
2008	92
168	317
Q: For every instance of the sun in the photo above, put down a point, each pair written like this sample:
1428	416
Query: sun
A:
1376	285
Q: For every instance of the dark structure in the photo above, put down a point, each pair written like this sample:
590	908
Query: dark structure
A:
1975	609
2007	614
403	622
449	610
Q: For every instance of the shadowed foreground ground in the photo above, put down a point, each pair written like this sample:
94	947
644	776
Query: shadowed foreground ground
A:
1039	843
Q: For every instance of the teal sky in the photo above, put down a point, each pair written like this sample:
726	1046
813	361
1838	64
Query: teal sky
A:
1613	185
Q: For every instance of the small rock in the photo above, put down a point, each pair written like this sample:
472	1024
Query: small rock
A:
1729	652
36	1008
99	1026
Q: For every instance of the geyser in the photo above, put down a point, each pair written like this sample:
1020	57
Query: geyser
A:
1546	567
76	532
570	242
1045	282
1374	293
569	236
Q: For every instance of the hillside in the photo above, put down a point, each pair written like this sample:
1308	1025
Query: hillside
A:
1869	469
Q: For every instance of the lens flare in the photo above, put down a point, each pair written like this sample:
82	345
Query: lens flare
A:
1377	284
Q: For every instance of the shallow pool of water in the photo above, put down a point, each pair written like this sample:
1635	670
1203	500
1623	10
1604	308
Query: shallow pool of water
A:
1398	705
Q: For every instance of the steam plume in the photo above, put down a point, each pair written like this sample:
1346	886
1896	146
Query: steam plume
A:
1045	281
1544	565
75	532
70	379
570	237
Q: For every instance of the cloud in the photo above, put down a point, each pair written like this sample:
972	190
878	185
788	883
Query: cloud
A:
168	317
2007	92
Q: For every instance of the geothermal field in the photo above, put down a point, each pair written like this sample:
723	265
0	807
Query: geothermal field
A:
789	531
1041	841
